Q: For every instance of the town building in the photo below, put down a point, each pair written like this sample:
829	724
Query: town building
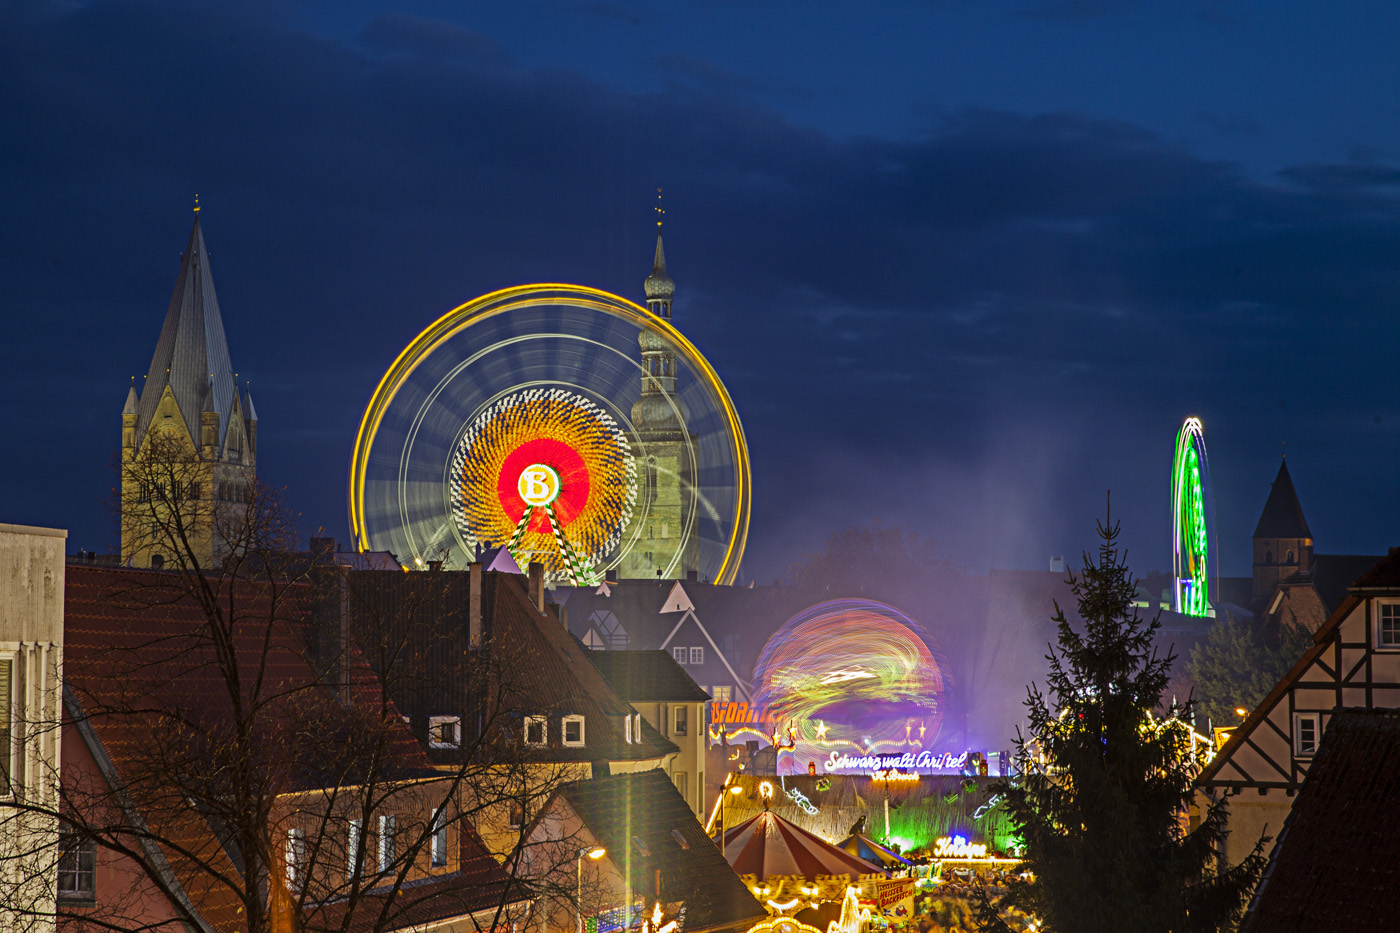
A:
1353	663
666	696
189	441
31	651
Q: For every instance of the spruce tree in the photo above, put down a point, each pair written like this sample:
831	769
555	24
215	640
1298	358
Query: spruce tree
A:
1102	801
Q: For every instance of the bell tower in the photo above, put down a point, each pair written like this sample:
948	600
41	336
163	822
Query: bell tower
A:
189	440
665	548
1283	543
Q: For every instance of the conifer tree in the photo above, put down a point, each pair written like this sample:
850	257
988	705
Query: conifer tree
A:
1105	789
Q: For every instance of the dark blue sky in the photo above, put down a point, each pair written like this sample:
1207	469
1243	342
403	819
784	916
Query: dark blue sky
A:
963	265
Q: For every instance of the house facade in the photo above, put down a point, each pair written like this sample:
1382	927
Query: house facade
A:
1353	663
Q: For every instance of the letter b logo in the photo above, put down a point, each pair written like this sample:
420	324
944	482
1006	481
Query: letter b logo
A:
539	484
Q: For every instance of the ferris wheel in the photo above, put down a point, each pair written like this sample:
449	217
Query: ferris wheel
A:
528	419
1191	506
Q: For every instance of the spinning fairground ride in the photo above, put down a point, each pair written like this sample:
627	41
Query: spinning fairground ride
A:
529	419
1193	511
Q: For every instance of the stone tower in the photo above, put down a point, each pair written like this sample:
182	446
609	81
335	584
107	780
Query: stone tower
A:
665	547
189	441
1283	544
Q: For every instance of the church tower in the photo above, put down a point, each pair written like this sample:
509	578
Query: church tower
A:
189	441
1283	544
665	548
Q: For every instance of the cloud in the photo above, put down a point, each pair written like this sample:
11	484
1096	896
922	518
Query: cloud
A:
951	299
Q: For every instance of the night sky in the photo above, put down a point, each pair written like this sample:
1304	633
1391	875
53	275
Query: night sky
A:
963	265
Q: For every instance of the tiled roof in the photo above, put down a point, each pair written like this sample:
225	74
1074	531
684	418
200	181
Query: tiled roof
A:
1384	575
647	676
1283	514
1334	867
644	806
129	649
1332	574
192	349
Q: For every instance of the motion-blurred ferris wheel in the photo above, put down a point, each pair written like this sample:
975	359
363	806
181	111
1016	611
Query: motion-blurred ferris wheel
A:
531	419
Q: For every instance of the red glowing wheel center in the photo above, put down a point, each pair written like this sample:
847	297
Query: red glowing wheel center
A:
543	472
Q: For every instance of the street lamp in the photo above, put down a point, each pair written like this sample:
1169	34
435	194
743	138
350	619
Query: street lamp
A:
732	789
594	853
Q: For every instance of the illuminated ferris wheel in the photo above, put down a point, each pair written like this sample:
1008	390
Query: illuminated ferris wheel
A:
1191	537
528	419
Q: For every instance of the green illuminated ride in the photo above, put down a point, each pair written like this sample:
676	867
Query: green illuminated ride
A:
1190	538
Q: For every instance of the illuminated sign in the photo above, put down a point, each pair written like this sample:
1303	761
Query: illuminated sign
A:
740	712
923	761
958	847
539	484
896	777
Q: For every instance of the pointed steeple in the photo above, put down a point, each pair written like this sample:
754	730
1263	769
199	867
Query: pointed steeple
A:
250	414
1283	513
131	401
659	284
192	354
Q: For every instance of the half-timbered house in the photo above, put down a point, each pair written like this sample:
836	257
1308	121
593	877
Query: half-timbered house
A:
1354	663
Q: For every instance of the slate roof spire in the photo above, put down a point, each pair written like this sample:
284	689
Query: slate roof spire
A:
192	353
1283	514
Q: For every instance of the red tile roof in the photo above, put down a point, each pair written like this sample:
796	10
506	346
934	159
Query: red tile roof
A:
1334	866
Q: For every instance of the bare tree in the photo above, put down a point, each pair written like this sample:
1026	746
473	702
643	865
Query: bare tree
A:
230	768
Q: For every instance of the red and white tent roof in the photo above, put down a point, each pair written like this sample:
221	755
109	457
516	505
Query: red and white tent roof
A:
769	845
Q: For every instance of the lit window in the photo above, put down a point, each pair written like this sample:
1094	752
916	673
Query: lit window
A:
296	858
723	694
682	723
439	840
1307	729
387	827
642	848
627	728
573	730
1388	625
6	724
682	655
77	867
697	655
444	731
354	848
515	814
536	730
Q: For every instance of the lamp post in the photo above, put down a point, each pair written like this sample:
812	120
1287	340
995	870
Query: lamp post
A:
726	789
594	853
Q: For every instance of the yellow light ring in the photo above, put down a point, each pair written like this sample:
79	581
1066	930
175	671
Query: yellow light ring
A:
509	299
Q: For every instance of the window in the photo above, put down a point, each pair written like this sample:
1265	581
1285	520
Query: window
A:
515	814
355	848
697	655
439	841
723	694
682	721
77	867
1388	625
573	730
387	827
296	858
642	848
1289	559
444	731
6	724
682	655
627	728
680	780
536	730
680	839
1306	731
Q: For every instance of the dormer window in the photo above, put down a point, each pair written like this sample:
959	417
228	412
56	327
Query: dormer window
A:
536	730
573	730
444	731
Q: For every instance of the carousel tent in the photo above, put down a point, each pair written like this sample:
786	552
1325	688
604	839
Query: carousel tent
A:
862	846
768	845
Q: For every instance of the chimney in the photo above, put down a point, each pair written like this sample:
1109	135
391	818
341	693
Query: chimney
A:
537	584
1057	565
474	605
692	576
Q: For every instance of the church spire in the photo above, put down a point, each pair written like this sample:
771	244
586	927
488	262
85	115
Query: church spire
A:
192	354
658	286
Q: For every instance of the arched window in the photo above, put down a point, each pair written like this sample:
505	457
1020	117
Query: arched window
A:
1290	559
1268	557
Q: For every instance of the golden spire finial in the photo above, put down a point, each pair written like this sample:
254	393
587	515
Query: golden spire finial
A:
196	204
660	211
